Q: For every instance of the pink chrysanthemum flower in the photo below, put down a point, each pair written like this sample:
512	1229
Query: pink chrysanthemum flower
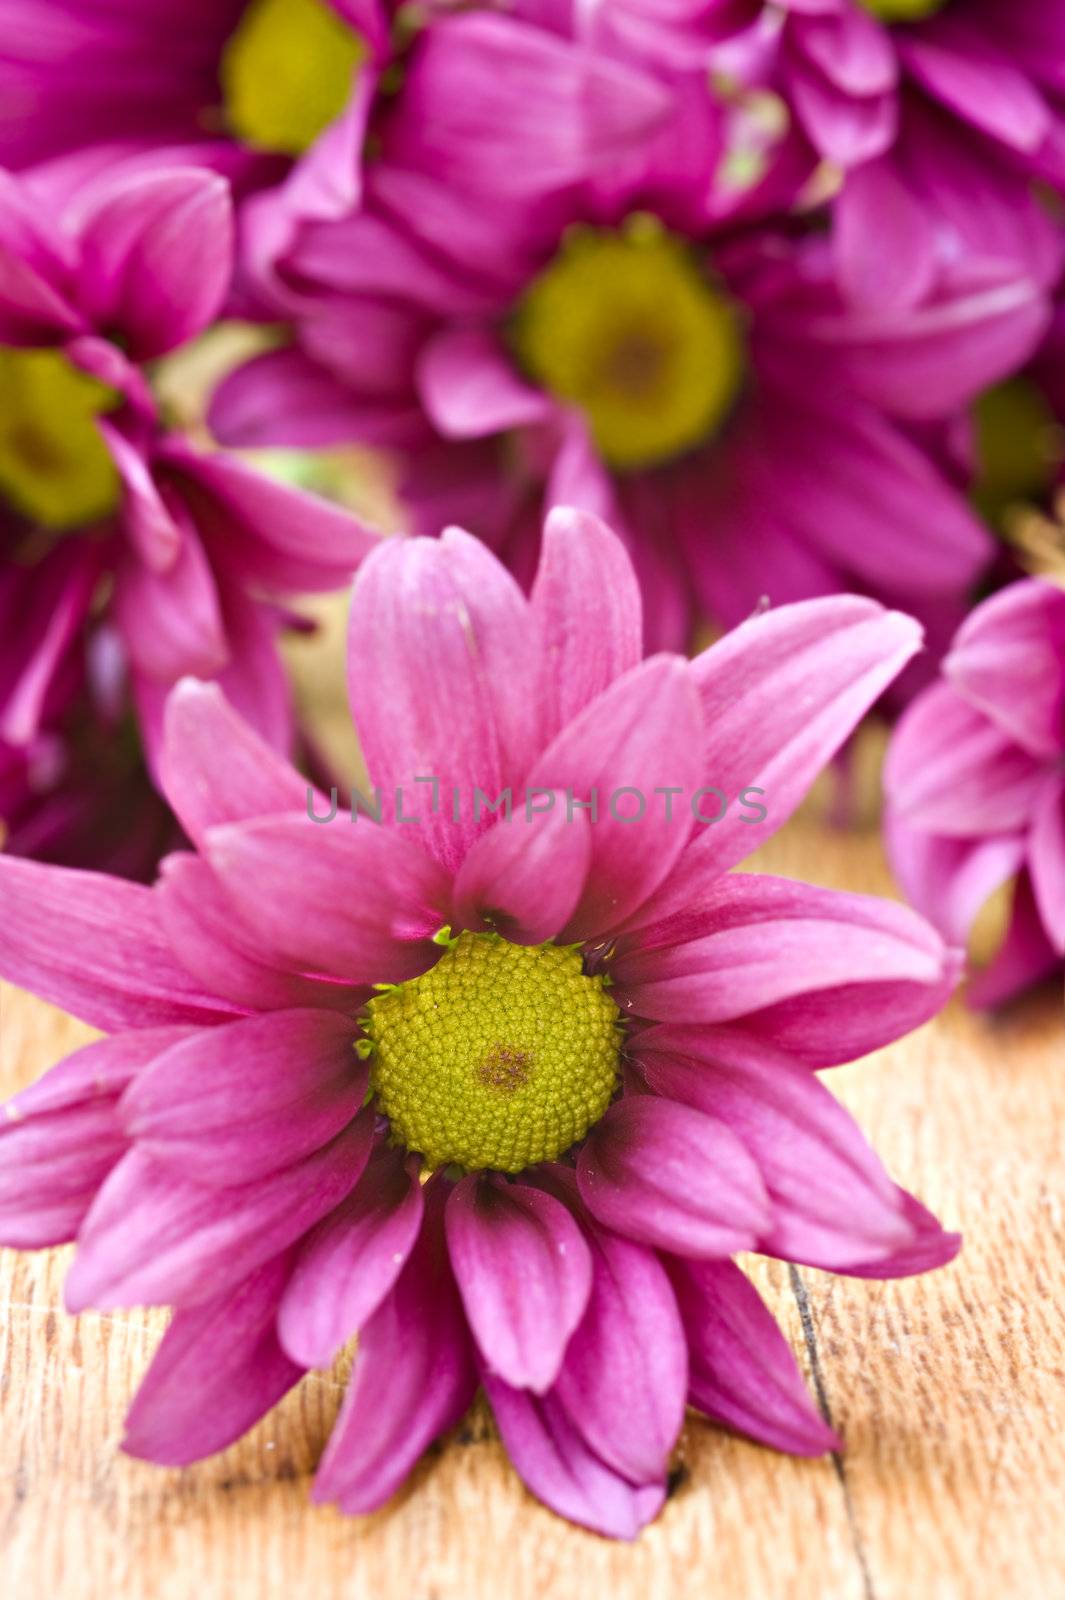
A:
976	786
129	558
619	346
281	95
940	113
596	1043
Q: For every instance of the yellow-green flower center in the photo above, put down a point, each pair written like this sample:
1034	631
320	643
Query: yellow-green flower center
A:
627	326
54	465
902	10
287	73
501	1056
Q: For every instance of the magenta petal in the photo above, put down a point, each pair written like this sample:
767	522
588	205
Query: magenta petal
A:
556	1463
515	109
1026	956
452	693
1046	859
218	1370
205	786
624	1378
349	1262
524	1273
949	880
951	770
153	1238
742	1370
929	1246
828	975
526	876
831	1202
885	241
1009	660
171	622
670	1176
236	1103
149	525
414	1378
157	254
977	82
588	603
95	946
206	938
643	734
353	900
780	695
286	539
470	389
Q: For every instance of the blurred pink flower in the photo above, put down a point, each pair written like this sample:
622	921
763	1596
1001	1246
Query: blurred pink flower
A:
975	782
111	523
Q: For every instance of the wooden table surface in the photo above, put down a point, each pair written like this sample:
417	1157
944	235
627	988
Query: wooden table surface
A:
949	1391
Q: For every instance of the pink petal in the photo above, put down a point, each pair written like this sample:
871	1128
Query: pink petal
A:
587	600
236	1103
524	1273
508	108
780	695
832	1203
218	1370
414	1378
643	733
742	1370
951	770
153	1238
557	1464
1009	660
205	937
670	1176
950	880
284	538
171	622
624	1377
978	83
1026	956
929	1246
94	945
352	900
885	241
1046	859
157	253
525	876
827	975
470	389
252	780
351	1259
451	696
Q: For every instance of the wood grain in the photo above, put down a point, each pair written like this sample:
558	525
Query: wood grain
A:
949	1390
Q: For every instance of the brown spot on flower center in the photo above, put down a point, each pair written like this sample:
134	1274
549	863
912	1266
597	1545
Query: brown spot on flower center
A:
505	1068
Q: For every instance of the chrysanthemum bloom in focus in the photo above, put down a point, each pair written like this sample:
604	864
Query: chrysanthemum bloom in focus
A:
976	786
129	558
939	113
501	1094
621	346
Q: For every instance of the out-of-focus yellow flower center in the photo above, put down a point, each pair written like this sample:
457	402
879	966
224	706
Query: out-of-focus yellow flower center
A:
626	325
501	1056
1020	447
287	73
54	465
902	10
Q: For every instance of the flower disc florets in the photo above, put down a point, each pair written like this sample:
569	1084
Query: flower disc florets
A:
501	1056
